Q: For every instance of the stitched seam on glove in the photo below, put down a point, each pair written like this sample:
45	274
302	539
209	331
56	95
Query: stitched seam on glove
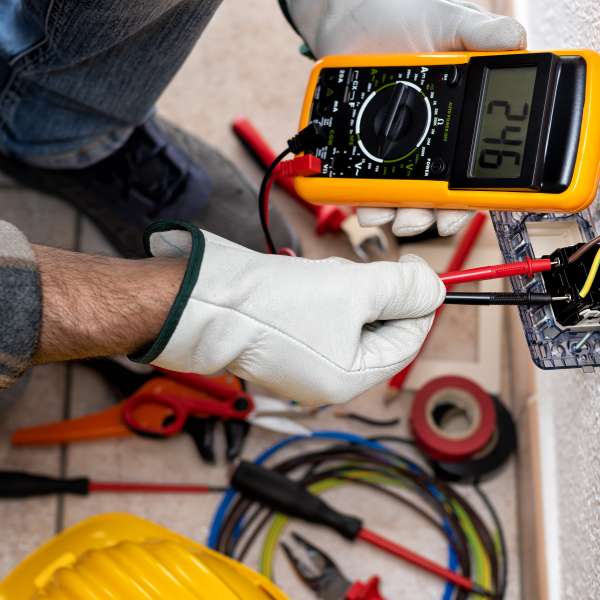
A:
395	365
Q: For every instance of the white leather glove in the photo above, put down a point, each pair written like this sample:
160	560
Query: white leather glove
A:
388	26
316	331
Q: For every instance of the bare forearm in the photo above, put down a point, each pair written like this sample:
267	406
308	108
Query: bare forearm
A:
97	306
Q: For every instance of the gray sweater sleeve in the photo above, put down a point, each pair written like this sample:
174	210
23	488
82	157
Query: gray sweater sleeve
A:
20	304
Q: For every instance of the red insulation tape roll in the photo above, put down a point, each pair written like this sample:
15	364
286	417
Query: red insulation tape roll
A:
442	396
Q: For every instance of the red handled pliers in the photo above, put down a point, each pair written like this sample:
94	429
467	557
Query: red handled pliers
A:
325	579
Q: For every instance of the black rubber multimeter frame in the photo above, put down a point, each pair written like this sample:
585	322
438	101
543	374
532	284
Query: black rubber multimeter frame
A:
552	138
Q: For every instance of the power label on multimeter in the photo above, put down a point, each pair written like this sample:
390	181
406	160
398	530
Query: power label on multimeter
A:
387	122
503	131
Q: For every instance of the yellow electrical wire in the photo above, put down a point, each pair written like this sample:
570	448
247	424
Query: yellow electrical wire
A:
270	544
482	563
278	525
587	286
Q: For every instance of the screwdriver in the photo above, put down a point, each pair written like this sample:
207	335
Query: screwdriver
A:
282	494
21	484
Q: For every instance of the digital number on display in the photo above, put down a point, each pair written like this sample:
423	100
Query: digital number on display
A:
503	122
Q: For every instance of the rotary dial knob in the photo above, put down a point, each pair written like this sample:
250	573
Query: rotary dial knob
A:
393	121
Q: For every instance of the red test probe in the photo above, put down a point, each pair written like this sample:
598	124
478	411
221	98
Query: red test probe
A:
528	267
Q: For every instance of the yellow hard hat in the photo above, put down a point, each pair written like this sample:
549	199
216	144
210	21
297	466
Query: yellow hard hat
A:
121	557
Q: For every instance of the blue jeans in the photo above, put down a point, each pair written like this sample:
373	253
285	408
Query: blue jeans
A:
76	76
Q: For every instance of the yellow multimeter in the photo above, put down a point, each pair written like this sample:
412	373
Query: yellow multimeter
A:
505	131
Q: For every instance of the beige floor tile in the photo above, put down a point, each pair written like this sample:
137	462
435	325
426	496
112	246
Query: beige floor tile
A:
25	524
45	220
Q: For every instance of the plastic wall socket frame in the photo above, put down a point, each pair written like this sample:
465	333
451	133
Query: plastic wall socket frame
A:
526	234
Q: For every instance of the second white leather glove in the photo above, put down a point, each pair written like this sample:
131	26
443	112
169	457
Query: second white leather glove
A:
398	26
316	331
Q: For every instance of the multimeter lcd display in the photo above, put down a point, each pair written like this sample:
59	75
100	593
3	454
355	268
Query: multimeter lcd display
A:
502	123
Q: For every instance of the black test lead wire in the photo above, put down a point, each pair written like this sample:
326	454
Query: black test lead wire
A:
306	140
502	298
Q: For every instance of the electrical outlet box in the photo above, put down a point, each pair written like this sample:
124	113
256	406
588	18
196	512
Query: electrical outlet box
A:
578	314
559	335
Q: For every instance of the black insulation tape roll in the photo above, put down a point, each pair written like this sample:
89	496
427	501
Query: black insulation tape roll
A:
490	460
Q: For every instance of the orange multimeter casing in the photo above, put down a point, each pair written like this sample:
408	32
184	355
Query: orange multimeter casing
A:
516	131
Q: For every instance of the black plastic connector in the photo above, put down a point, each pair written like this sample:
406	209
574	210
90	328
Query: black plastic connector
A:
310	138
566	280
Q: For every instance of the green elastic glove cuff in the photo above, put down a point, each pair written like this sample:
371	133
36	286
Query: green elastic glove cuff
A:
153	350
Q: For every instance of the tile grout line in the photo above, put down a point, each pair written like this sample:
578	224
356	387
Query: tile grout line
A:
64	448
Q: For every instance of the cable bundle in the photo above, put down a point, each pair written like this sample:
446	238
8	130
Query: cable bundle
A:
352	460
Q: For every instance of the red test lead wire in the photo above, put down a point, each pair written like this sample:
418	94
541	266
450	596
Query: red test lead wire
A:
304	165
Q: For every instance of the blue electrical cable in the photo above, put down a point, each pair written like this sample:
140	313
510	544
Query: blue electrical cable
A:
230	494
452	565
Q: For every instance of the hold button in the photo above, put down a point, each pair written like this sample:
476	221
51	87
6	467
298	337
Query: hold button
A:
437	167
453	76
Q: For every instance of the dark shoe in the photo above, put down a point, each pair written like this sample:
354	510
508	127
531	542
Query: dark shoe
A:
160	173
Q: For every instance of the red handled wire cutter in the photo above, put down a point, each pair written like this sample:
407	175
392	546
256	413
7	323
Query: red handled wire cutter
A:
324	577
